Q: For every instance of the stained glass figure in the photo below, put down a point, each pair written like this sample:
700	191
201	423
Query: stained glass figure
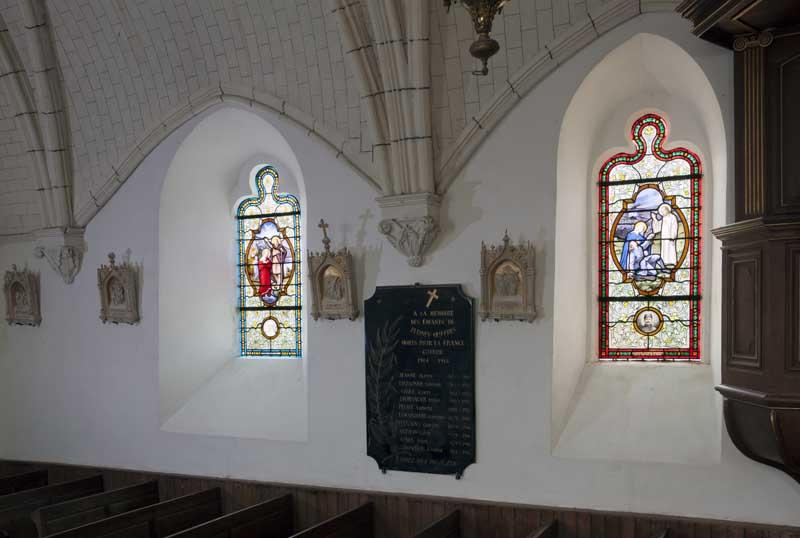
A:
650	249
270	299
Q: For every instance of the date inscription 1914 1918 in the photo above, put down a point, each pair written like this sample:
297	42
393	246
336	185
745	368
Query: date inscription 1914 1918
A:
420	369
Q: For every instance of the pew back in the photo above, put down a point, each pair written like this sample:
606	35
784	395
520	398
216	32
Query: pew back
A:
22	482
155	521
271	519
353	524
548	530
446	527
23	503
66	515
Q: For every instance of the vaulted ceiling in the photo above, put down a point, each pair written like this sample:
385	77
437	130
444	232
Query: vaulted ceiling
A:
89	87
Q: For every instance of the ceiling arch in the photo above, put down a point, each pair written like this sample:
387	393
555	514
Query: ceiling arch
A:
123	73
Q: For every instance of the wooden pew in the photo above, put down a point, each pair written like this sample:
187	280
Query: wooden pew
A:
22	504
21	482
446	527
548	530
60	517
353	524
271	519
154	521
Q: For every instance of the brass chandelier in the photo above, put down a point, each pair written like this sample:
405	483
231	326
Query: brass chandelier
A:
482	13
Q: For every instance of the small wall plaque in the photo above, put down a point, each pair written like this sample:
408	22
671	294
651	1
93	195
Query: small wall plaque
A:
21	288
333	294
507	281
119	292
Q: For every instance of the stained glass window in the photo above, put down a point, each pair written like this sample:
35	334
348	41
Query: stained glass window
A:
270	299
650	249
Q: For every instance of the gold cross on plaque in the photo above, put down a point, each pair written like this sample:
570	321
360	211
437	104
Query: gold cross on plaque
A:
432	296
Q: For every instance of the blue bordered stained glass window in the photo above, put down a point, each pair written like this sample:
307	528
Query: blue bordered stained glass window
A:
650	203
270	298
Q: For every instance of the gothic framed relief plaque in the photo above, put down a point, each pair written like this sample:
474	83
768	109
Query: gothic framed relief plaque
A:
119	292
21	288
333	293
420	378
507	281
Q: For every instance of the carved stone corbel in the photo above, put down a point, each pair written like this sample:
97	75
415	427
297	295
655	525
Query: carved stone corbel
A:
333	292
119	292
507	282
21	288
63	250
410	224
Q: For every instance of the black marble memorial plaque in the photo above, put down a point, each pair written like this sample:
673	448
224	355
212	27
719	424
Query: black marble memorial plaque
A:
420	369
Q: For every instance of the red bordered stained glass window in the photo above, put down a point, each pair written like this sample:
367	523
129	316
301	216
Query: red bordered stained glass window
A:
650	203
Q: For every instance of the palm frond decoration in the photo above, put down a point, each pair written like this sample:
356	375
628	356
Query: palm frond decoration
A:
382	392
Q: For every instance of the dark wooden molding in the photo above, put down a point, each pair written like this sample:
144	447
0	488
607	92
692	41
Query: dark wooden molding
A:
270	519
793	307
448	526
402	515
741	24
764	433
752	159
762	399
744	315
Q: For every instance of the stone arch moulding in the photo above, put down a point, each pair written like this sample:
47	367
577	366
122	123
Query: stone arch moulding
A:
201	101
555	53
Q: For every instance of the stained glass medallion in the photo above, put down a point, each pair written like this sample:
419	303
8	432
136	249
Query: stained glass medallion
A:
270	299
650	203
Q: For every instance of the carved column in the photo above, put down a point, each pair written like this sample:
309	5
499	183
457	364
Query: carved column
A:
387	43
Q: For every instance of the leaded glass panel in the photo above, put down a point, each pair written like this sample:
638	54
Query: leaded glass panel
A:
650	249
270	276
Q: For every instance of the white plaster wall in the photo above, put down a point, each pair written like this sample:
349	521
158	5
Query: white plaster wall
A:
93	399
644	412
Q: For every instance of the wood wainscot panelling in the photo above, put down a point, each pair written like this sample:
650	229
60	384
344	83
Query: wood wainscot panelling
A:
744	315
783	135
793	315
402	516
